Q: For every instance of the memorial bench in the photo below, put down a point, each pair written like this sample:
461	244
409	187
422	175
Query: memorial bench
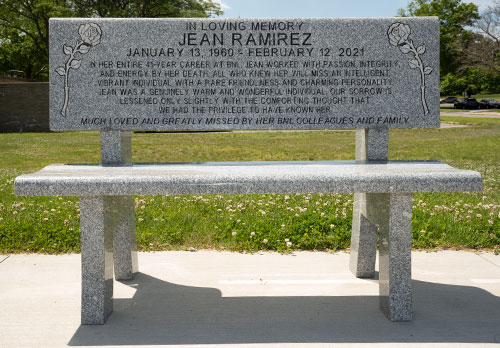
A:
382	189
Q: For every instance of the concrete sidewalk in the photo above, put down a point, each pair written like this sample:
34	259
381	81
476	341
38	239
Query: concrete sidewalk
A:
208	298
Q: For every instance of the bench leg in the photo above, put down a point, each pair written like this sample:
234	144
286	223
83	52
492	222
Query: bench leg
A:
395	256
124	240
97	259
371	145
363	238
116	150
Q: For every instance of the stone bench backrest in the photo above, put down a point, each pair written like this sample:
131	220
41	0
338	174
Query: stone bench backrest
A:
219	74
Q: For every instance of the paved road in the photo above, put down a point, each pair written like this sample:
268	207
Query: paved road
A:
472	113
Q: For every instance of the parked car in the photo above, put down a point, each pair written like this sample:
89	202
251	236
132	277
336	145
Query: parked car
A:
467	103
489	104
448	100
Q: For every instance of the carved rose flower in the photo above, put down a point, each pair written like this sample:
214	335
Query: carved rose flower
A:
90	34
398	33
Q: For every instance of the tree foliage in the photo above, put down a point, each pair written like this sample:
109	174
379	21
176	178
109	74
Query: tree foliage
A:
454	16
483	49
24	33
479	57
148	8
24	26
474	79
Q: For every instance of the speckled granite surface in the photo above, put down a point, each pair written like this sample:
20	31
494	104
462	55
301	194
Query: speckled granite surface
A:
247	177
233	73
96	219
392	215
371	145
116	149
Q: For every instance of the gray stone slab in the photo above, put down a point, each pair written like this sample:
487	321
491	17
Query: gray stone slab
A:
96	228
363	238
116	149
124	237
372	144
243	73
393	214
248	177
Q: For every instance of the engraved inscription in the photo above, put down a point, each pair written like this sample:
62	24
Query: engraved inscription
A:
223	74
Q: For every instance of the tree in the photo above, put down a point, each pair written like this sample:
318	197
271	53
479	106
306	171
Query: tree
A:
24	35
489	23
454	16
473	79
18	53
483	49
30	19
149	8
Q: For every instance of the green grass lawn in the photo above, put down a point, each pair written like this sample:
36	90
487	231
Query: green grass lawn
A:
253	222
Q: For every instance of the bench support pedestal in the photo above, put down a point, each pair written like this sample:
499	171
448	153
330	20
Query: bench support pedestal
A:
394	224
108	238
371	145
363	237
116	149
390	216
96	228
124	238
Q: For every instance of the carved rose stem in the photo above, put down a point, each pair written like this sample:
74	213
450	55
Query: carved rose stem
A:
398	35
90	34
66	82
66	91
422	75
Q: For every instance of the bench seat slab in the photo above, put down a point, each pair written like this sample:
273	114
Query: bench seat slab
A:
247	177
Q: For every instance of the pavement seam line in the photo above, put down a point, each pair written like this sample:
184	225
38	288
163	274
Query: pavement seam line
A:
494	264
5	258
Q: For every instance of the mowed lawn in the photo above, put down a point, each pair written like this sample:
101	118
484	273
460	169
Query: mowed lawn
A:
254	222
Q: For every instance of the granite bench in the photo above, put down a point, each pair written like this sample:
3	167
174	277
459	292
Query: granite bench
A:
382	207
120	52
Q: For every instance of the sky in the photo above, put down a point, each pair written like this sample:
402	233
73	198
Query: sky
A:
318	8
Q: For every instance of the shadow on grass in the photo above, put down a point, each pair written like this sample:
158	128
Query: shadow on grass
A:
164	313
